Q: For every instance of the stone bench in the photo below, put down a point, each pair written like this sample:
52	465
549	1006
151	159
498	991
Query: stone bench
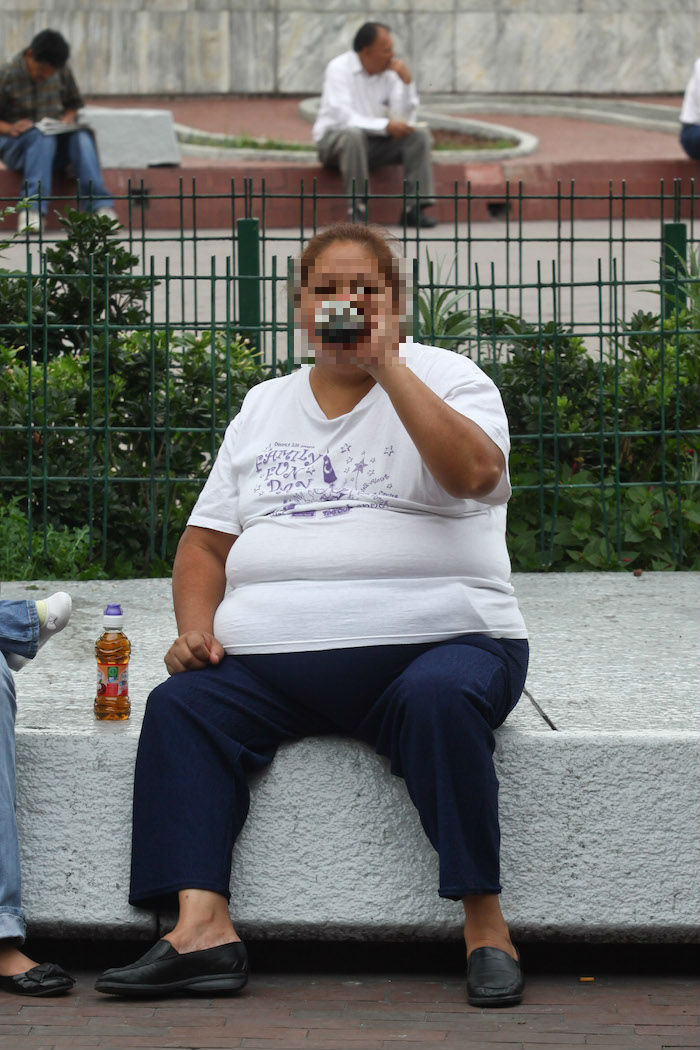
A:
598	771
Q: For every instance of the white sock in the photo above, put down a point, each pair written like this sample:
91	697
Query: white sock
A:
54	613
57	610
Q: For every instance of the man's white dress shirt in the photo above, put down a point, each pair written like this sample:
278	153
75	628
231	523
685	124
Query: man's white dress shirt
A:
353	98
690	113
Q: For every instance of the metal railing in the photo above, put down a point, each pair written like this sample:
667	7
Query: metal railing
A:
118	380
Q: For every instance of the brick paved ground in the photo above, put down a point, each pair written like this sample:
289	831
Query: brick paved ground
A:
414	1011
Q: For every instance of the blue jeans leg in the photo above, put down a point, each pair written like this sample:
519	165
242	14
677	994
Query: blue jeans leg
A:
12	921
19	628
78	150
33	154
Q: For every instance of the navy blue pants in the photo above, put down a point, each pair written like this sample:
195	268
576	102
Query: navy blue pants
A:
431	709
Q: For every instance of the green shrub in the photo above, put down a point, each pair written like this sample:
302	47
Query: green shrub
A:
52	554
146	437
609	428
605	450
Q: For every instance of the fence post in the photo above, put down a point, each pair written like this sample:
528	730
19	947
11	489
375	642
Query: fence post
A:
248	239
416	307
675	248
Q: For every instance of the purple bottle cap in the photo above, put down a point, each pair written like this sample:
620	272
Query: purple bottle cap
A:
113	610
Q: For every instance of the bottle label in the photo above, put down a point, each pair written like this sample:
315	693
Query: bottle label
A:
112	680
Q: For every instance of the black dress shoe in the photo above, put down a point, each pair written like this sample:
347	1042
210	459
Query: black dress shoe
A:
417	217
45	979
494	978
164	971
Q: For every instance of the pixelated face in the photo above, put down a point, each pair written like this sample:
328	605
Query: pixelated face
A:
342	301
376	57
38	71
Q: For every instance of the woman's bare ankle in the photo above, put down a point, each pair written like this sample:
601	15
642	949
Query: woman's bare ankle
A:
204	922
484	937
189	939
484	925
12	960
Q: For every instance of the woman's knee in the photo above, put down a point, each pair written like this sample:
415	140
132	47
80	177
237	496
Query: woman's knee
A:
452	690
170	695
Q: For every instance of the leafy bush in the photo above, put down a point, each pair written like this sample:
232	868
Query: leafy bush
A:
144	428
115	422
119	426
84	298
53	554
442	318
604	476
608	428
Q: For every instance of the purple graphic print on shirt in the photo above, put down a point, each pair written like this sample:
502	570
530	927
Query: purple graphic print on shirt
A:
303	475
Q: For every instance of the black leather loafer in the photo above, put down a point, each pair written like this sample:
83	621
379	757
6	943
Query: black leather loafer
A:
45	979
494	978
164	971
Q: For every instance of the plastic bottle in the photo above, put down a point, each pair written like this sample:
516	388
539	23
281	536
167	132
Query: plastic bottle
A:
112	650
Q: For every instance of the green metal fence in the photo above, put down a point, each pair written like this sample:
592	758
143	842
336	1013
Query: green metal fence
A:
123	359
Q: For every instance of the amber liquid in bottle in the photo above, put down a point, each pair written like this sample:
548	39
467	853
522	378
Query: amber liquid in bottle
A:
112	650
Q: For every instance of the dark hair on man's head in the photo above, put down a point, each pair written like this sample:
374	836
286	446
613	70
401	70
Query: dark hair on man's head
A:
366	35
49	47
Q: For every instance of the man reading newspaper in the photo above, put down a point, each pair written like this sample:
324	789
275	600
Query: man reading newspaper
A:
37	92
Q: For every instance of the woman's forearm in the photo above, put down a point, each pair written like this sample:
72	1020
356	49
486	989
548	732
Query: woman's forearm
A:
199	578
456	451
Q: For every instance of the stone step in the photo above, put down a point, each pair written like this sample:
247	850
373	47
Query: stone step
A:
599	797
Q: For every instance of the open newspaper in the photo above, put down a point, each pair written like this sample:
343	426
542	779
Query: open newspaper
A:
52	126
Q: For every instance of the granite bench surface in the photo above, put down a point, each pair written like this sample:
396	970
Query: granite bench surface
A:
597	763
609	652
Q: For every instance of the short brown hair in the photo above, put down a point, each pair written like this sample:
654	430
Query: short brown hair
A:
370	238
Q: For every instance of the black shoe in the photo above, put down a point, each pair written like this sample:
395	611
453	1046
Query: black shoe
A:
494	978
45	979
417	217
164	971
358	213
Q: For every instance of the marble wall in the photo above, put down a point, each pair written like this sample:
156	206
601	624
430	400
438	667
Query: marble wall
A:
250	46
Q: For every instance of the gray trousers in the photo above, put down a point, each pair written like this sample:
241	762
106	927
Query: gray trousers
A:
356	153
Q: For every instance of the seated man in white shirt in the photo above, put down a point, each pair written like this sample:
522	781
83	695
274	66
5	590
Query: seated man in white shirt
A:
366	119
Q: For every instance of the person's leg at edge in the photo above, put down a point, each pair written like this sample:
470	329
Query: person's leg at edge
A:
78	149
435	723
25	626
19	973
19	628
12	920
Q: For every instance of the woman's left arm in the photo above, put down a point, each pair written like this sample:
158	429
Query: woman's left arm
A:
460	456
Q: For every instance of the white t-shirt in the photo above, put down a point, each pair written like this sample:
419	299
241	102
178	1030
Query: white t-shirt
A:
353	98
344	537
690	112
